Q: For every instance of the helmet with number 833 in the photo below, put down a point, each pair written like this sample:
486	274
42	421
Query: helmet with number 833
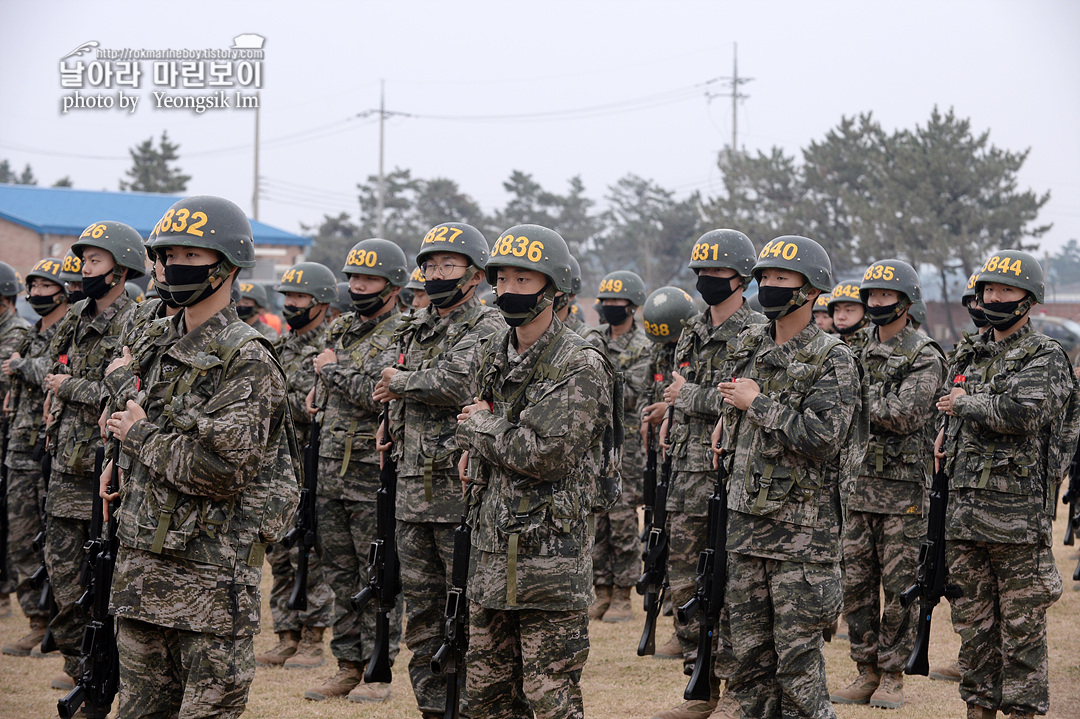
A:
212	223
729	249
378	257
1015	268
532	247
664	312
622	285
71	268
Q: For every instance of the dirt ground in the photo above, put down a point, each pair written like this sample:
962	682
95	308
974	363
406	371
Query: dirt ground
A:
616	682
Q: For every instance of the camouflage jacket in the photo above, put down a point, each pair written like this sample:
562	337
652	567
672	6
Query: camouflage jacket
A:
699	357
266	330
199	503
438	359
792	452
575	323
82	347
295	353
27	396
533	460
905	376
661	365
997	444
12	331
350	416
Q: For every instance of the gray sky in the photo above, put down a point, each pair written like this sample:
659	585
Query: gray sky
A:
1011	67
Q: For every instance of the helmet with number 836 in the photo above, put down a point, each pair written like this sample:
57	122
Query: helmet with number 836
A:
455	237
724	249
532	247
622	285
664	312
378	257
310	278
121	241
1015	268
893	274
799	254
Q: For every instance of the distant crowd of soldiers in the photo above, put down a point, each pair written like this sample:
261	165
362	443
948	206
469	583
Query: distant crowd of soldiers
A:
473	472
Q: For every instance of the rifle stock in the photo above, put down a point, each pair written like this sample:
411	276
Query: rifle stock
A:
305	533
652	584
449	660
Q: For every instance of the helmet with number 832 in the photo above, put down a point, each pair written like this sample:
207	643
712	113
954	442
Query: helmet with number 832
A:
532	247
622	285
798	254
664	312
378	257
1015	268
121	241
212	223
895	275
455	237
724	249
310	278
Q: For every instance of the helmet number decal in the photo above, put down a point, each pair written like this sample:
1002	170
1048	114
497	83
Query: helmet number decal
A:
50	266
442	233
611	286
777	248
94	231
1002	265
848	290
293	276
519	247
72	264
246	287
181	224
657	329
360	258
880	272
701	252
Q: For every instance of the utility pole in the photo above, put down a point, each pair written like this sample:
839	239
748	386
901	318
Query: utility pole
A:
255	192
382	181
733	81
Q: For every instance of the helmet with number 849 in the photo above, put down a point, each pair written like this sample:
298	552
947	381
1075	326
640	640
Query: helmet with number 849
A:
622	285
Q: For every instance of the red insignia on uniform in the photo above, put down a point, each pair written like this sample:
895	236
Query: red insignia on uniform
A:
63	359
658	377
959	379
138	384
684	364
401	358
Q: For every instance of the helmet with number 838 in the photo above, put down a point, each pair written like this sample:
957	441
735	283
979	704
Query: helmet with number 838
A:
121	241
724	249
532	247
895	275
455	237
212	223
1015	268
664	312
378	257
622	285
798	254
310	278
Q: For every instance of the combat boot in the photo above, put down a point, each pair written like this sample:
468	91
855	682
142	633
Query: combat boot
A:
63	682
974	711
23	647
619	611
890	692
946	672
860	690
671	649
286	647
309	653
602	601
727	708
349	675
688	710
373	692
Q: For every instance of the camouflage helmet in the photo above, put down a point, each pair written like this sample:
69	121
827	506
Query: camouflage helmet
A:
845	292
917	312
121	241
1015	268
729	249
134	292
969	291
575	276
799	254
664	312
10	283
50	269
416	280
212	223
892	274
455	237
310	278
343	303
622	285
253	291
379	258
532	247
71	268
821	304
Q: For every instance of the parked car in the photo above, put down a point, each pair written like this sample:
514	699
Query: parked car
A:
1064	330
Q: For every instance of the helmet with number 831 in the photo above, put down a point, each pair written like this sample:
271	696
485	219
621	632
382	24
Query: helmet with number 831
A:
664	312
121	241
895	275
378	257
622	285
212	223
724	249
455	237
1015	268
799	254
310	278
532	247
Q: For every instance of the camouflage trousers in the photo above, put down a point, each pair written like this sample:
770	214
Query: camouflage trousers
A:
346	529
526	663
426	550
880	553
778	611
168	672
64	541
616	553
24	521
320	598
1001	620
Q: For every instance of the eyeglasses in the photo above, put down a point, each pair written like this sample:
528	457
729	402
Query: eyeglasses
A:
445	269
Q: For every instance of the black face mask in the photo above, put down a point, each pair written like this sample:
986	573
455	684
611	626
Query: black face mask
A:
44	304
297	317
615	314
446	293
885	314
190	284
97	286
853	329
978	317
76	296
1003	315
776	302
244	312
518	310
368	303
715	290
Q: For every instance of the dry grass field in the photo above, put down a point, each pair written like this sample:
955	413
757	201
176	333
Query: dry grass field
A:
616	684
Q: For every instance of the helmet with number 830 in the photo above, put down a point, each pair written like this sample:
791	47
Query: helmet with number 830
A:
724	249
1015	268
310	278
212	223
664	312
622	285
799	254
378	257
532	247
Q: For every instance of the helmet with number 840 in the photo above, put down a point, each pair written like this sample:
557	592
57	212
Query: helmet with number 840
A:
799	254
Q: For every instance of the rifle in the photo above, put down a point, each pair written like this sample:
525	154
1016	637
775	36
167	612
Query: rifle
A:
709	588
931	577
99	667
307	518
1072	498
449	659
384	570
652	585
4	573
40	578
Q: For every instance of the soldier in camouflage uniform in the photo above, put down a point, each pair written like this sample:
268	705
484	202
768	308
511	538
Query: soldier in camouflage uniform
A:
341	305
536	437
565	307
433	377
25	369
848	313
212	478
885	523
253	299
722	260
1009	434
616	551
309	288
420	298
12	331
360	344
821	314
86	338
793	432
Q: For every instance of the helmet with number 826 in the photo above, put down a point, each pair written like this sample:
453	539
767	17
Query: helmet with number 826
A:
121	241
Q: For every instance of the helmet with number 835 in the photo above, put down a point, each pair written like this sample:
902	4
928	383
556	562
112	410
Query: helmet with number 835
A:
622	285
378	257
895	275
664	312
532	247
212	223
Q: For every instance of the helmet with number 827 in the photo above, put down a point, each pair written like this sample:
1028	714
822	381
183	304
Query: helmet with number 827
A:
664	312
532	247
455	237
